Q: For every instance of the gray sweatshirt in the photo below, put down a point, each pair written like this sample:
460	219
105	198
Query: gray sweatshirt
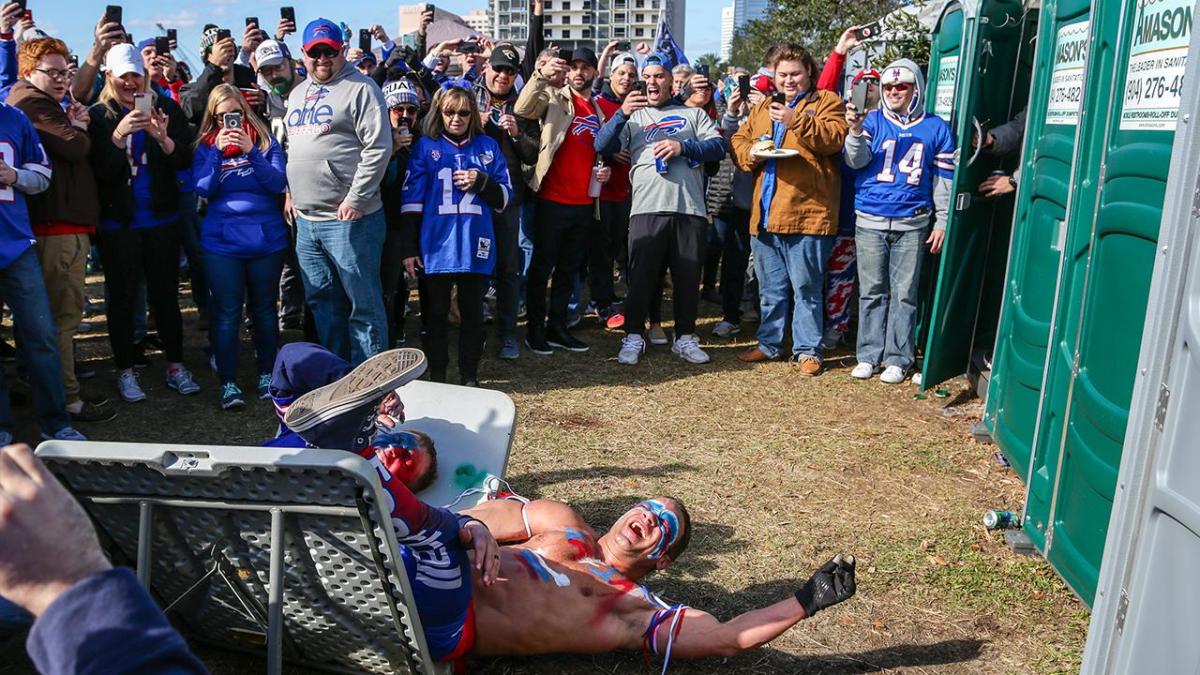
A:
681	189
339	144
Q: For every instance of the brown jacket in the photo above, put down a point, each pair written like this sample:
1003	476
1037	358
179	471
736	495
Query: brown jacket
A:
72	195
807	187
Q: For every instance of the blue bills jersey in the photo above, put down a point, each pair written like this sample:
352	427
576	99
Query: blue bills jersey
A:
898	182
20	148
457	234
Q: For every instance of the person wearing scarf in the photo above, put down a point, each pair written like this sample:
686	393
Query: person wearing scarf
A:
240	169
794	214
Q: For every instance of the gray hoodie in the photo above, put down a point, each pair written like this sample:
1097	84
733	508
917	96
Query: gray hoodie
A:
857	151
339	144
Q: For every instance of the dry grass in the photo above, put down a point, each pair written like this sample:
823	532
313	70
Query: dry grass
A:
779	472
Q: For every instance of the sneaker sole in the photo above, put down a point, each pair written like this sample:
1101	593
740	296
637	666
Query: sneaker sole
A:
372	379
508	357
182	392
133	399
233	405
539	352
559	345
693	361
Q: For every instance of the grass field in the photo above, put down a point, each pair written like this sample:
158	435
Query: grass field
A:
779	472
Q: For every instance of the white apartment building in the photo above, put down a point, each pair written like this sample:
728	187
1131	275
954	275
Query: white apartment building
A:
479	20
726	32
591	22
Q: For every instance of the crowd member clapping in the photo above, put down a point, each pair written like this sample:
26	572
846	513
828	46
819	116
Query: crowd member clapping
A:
667	142
240	169
64	217
456	178
139	142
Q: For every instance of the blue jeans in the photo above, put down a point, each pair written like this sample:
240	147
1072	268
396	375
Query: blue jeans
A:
889	265
339	263
24	291
791	264
733	236
230	280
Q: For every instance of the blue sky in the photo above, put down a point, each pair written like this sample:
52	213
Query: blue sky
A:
73	20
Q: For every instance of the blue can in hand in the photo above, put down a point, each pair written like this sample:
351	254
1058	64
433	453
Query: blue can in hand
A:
661	164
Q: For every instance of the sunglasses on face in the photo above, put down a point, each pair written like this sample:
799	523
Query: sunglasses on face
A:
897	87
407	111
504	70
456	113
321	53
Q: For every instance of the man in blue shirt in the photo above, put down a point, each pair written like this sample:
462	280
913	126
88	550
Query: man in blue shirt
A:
25	169
905	163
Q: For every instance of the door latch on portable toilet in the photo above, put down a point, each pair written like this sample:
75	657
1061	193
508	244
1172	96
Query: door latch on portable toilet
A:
963	201
1122	610
1160	408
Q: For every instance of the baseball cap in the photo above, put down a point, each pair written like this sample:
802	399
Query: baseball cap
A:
123	59
367	56
763	83
399	93
898	75
322	32
866	74
270	53
623	59
506	56
655	59
586	55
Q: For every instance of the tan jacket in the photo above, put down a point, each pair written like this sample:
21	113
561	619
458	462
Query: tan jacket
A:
807	187
554	107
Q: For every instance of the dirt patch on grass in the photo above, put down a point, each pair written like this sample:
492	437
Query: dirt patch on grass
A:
779	471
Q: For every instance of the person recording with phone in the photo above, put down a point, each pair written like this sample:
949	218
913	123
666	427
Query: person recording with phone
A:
240	169
404	113
219	52
139	142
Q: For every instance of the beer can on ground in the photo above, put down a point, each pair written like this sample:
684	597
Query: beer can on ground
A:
1000	520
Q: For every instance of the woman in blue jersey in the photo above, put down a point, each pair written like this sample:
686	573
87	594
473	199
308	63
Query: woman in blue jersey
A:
240	169
457	178
135	155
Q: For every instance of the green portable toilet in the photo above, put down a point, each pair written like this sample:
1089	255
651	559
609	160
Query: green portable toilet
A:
1105	279
945	53
992	87
1047	166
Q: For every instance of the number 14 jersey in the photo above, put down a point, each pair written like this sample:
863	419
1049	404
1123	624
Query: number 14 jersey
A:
898	183
457	234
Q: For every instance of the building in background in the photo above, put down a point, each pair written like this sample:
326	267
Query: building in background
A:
480	20
445	26
594	23
726	32
745	11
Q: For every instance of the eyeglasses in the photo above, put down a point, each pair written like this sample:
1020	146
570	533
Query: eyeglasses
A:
321	53
456	113
54	73
504	70
897	87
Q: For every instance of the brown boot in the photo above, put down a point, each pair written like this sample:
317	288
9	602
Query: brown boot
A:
753	355
808	365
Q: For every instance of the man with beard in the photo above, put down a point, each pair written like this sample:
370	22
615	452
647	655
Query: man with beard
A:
518	139
564	170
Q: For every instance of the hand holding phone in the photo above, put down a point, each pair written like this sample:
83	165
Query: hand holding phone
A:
142	103
112	14
364	40
779	97
223	34
162	46
232	120
858	96
868	31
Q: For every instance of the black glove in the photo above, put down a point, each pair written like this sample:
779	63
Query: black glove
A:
831	584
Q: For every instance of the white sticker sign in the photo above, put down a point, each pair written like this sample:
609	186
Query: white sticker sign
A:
1157	59
943	91
1066	79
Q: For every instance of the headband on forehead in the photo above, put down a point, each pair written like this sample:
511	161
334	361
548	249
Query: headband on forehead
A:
456	83
668	521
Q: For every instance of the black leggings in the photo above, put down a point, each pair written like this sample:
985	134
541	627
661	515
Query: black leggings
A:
435	311
126	254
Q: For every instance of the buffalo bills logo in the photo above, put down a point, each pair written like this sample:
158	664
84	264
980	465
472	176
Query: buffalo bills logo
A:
585	125
316	95
436	154
486	157
667	126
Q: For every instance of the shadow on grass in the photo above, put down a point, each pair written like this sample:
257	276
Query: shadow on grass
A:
531	484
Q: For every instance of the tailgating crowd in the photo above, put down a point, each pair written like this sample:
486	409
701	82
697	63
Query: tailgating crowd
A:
311	190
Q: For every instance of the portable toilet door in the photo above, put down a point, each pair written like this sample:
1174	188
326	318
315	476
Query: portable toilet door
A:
1105	283
993	86
1039	222
1142	619
945	54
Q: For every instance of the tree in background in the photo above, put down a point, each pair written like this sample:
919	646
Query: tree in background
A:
711	60
817	24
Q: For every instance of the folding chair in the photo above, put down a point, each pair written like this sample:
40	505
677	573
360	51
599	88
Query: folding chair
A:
291	550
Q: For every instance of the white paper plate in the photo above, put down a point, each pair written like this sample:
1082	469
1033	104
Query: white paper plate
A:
777	153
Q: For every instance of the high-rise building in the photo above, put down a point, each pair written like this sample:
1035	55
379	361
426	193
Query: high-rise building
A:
745	11
592	23
726	32
479	20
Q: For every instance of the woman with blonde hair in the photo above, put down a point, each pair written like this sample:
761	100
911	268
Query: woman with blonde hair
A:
457	178
240	168
138	142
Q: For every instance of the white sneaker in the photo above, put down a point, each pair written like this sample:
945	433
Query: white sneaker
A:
916	378
632	347
724	329
181	381
863	371
657	336
131	390
892	375
688	349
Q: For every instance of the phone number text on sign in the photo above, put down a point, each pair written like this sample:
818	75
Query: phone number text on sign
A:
1066	80
1157	61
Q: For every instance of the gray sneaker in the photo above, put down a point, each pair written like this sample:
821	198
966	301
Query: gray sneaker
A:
510	349
130	388
181	381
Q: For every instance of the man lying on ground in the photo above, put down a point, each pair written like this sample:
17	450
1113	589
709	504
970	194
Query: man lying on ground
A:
563	589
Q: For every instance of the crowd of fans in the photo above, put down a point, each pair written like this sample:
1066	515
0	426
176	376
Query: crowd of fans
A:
311	189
